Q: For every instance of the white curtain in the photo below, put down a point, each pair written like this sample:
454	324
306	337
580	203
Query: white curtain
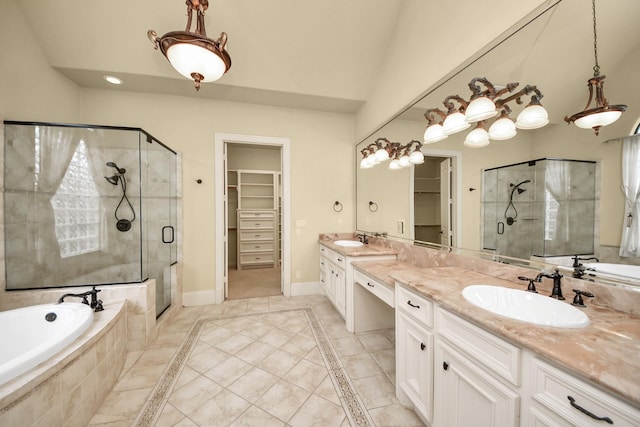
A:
558	183
630	243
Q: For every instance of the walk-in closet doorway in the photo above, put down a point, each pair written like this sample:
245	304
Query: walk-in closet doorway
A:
251	210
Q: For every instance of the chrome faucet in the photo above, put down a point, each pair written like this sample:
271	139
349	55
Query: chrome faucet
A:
95	304
557	283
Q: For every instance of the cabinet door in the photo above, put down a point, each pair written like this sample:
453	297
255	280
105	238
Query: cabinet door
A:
331	282
414	364
468	396
341	291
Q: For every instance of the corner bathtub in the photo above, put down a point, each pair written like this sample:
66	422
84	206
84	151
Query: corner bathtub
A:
625	271
29	339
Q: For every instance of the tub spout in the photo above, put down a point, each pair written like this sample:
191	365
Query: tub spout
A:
96	304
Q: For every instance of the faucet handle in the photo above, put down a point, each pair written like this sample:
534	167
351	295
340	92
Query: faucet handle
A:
532	286
577	300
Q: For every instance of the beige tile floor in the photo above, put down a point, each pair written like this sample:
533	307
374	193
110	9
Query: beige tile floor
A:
269	361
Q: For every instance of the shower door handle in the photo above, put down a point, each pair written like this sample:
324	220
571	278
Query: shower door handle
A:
164	234
500	227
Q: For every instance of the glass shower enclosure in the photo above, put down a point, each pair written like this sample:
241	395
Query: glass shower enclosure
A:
88	205
540	208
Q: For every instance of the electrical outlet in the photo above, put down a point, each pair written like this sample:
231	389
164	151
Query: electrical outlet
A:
298	274
339	223
401	227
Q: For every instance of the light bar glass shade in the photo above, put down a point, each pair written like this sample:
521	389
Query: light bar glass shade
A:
416	157
502	129
477	138
455	122
532	117
480	109
434	133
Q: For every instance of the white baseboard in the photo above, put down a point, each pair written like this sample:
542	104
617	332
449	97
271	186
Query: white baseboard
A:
195	298
306	288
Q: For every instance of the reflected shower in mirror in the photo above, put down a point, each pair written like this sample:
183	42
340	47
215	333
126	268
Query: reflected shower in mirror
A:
551	49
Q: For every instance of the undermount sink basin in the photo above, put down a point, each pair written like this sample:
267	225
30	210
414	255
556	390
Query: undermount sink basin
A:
348	243
525	306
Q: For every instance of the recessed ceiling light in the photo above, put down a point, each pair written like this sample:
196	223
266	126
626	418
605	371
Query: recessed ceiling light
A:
113	80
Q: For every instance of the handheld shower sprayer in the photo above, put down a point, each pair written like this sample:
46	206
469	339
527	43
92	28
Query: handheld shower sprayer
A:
122	224
514	187
113	165
114	179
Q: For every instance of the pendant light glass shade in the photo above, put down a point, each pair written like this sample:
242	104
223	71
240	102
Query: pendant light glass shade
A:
480	108
455	122
601	118
404	161
190	59
364	163
193	54
434	133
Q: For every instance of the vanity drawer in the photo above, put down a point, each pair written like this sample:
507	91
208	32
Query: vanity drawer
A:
339	260
493	353
415	305
256	246
256	235
257	258
383	292
552	388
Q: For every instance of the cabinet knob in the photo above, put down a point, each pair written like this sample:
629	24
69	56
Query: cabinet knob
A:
445	366
422	346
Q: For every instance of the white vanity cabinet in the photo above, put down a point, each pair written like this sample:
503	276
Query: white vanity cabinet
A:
337	279
333	277
560	399
414	352
476	375
456	374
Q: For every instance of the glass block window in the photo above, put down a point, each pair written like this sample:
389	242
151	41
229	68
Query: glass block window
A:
76	205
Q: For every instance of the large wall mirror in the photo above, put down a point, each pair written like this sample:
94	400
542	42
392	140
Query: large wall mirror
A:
554	51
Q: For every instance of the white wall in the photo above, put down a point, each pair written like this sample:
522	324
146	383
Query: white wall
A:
321	145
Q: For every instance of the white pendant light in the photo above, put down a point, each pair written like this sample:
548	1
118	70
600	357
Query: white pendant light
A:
395	164
603	114
403	161
381	155
416	157
193	54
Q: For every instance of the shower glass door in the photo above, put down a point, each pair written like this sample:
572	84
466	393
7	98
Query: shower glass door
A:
158	166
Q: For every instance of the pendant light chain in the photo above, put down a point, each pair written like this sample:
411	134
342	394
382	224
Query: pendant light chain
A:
596	68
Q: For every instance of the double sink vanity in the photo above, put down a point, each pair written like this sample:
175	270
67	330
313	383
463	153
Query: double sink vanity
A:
473	348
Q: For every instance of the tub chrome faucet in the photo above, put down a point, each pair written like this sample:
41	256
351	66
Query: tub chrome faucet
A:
96	304
556	293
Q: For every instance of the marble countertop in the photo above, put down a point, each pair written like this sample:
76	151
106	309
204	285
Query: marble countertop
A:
607	352
359	251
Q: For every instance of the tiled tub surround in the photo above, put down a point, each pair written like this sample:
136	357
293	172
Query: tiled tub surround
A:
68	388
605	352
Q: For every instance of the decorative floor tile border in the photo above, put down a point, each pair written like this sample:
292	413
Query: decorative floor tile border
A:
355	410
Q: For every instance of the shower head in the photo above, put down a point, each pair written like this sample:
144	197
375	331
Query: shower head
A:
112	179
113	165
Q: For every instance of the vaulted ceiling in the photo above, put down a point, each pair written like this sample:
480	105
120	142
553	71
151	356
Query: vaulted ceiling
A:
322	55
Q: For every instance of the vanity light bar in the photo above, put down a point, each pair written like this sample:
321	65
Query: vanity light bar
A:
400	155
